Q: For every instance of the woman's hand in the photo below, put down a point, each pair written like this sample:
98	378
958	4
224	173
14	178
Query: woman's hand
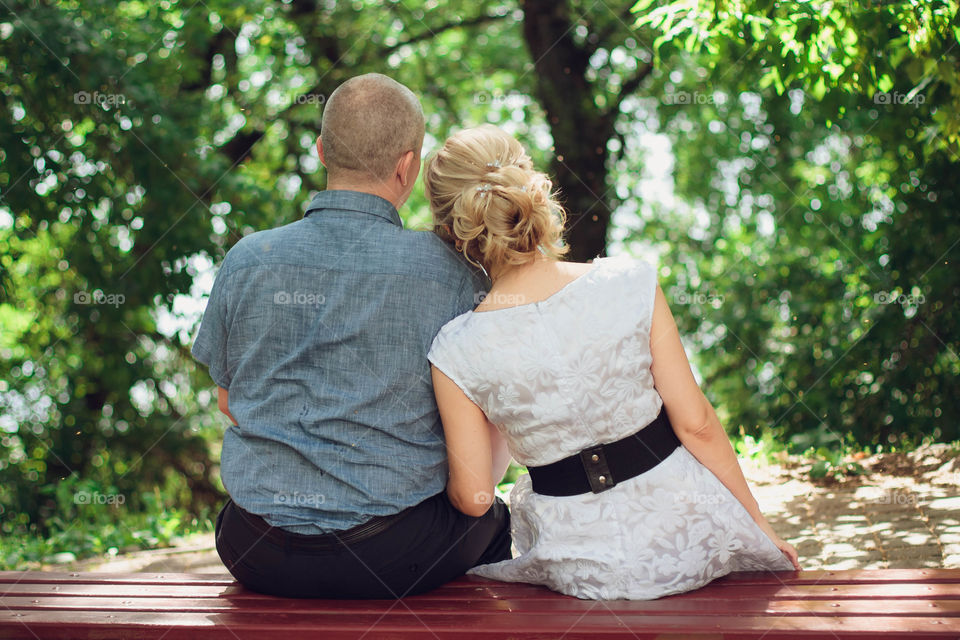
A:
788	550
785	547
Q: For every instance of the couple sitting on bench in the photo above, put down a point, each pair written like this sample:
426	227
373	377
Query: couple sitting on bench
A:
375	405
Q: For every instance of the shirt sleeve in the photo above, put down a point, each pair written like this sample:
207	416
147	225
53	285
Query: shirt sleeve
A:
210	347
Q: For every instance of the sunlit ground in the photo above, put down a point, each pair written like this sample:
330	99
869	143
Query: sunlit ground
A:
903	515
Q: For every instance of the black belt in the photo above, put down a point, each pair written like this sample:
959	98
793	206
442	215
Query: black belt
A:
601	467
323	541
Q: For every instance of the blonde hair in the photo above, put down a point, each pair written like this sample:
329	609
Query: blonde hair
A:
487	199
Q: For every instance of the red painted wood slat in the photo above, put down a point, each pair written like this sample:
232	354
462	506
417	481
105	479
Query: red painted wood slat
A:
497	590
862	607
465	625
741	577
859	576
879	604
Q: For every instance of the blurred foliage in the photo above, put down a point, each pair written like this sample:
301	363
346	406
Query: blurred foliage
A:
90	389
897	51
93	519
809	181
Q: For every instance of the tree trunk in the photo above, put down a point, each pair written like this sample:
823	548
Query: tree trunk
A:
579	127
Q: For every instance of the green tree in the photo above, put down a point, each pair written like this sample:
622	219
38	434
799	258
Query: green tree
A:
821	167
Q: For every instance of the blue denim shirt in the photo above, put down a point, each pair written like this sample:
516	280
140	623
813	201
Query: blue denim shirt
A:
319	330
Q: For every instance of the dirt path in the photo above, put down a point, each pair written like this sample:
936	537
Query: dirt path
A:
904	514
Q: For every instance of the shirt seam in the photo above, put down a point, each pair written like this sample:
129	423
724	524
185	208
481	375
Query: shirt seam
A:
417	276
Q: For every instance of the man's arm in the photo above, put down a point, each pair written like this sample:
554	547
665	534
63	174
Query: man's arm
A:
223	403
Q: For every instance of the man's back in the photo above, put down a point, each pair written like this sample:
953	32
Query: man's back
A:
319	330
317	334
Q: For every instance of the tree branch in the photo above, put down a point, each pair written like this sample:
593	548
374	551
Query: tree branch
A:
240	146
628	87
433	32
619	21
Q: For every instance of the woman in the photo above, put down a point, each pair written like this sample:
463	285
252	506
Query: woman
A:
578	370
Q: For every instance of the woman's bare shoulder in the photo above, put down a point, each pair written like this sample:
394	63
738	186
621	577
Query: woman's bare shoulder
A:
577	268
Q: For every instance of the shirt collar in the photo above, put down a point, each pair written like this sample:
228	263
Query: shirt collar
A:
358	201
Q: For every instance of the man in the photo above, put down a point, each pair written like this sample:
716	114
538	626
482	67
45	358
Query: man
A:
316	334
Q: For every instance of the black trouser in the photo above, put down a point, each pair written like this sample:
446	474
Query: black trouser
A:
424	547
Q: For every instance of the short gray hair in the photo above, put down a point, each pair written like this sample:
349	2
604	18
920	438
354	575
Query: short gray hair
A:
368	123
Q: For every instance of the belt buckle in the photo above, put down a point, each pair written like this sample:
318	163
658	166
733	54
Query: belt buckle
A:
598	472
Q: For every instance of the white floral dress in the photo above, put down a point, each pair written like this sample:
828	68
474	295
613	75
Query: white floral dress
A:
564	374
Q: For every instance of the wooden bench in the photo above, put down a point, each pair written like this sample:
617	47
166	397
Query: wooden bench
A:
916	604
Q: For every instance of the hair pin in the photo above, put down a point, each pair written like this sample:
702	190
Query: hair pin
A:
483	188
493	165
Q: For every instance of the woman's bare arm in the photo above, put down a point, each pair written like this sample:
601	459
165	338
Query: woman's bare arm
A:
694	419
223	403
476	449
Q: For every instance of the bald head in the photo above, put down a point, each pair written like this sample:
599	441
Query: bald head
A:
368	123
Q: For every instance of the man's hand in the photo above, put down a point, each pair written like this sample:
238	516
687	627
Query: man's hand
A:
223	403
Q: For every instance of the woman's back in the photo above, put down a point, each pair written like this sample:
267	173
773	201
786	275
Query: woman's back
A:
567	372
